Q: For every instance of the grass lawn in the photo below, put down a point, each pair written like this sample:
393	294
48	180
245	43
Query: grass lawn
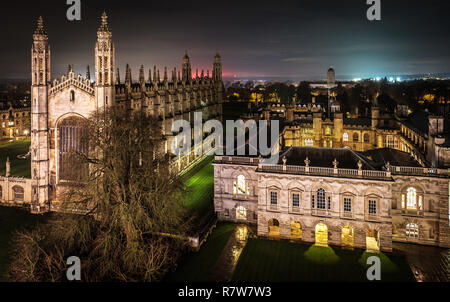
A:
197	266
13	219
19	167
283	261
200	187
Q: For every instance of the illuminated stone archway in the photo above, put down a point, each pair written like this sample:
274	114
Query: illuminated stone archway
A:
296	230
373	240
347	237
321	234
274	228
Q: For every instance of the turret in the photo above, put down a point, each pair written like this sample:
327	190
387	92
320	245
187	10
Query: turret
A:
104	65
186	67
217	68
40	70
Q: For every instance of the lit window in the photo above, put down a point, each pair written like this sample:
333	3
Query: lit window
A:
411	198
372	207
295	200
273	198
412	230
309	142
241	213
327	131
366	138
346	137
355	137
240	187
347	205
11	123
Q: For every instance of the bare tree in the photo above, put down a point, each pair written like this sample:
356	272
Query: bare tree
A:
133	224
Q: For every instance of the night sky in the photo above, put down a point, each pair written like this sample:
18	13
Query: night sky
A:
296	39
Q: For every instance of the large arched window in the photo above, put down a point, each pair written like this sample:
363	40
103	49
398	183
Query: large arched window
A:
366	138
355	137
240	186
412	200
345	137
72	141
18	193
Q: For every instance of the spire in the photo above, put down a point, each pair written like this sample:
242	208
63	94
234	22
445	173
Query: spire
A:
88	73
203	74
158	77
174	77
196	73
217	56
186	57
154	74
128	76
104	26
179	75
141	75
40	27
165	74
149	75
207	73
117	76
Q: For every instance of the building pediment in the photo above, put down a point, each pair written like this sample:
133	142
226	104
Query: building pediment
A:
71	82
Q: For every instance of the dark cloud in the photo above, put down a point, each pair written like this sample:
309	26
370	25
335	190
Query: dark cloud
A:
297	39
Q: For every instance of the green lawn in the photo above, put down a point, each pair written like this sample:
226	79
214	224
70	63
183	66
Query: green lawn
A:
197	266
13	219
283	261
200	187
19	167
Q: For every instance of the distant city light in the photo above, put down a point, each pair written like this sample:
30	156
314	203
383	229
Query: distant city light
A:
356	79
391	79
398	79
377	79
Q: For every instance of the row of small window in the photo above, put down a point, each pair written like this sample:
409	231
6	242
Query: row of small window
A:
10	123
356	137
320	201
17	115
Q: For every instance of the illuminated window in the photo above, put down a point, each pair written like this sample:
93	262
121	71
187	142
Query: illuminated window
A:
241	213
412	230
295	200
346	137
240	186
411	198
309	142
327	131
355	137
347	205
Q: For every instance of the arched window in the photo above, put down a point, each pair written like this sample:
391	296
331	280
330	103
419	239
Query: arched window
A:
412	230
72	141
321	199
18	193
411	198
241	186
366	138
72	96
345	137
309	142
355	137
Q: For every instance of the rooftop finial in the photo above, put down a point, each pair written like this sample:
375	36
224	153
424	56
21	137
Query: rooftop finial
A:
40	27
104	27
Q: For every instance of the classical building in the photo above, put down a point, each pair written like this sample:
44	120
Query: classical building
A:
58	106
336	196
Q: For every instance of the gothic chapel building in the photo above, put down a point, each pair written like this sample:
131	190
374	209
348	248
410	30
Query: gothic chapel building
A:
58	106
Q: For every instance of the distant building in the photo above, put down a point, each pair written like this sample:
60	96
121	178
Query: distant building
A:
331	77
15	120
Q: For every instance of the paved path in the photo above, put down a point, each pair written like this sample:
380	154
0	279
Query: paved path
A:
225	265
428	264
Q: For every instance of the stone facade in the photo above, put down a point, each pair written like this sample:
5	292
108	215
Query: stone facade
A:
59	105
15	121
361	207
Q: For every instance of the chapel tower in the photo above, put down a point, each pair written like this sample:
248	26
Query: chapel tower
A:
40	78
104	65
